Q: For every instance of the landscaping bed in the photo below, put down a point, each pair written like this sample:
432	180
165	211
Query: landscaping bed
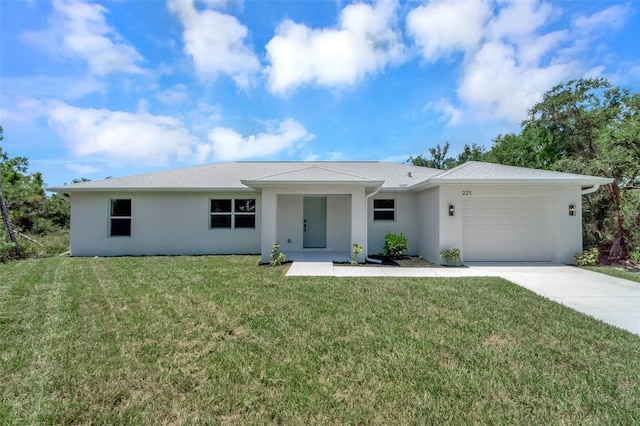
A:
402	261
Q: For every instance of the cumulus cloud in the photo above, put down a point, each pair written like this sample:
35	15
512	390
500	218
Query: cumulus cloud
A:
121	137
216	43
443	27
495	85
226	144
510	57
364	42
79	30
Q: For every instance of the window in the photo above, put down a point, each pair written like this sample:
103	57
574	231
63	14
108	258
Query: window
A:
384	209
120	218
238	213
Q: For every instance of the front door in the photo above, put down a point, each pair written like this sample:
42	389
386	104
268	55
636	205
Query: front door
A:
315	222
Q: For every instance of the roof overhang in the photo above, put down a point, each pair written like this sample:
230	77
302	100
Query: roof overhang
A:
583	183
263	183
70	190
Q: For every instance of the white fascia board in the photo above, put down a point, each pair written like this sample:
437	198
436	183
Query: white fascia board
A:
522	181
124	189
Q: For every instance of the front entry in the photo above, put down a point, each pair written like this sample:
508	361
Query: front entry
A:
315	222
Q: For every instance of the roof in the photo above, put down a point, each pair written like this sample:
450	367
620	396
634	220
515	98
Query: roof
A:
311	175
230	176
383	175
479	172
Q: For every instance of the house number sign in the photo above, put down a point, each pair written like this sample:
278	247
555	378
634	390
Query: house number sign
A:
466	192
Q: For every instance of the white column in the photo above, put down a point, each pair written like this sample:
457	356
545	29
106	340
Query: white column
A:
269	222
359	221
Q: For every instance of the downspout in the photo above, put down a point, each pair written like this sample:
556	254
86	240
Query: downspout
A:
366	224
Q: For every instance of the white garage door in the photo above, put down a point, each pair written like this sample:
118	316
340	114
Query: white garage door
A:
509	229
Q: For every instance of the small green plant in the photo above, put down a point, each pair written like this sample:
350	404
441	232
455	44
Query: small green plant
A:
587	257
395	245
277	257
635	255
356	250
451	257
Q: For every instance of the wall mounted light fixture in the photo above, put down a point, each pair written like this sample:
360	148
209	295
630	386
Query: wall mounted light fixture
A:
452	210
572	209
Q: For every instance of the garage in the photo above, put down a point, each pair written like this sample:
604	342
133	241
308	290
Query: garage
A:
509	229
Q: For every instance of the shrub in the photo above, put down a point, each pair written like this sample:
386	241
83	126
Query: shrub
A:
356	251
7	251
277	258
635	255
51	244
587	257
395	245
451	257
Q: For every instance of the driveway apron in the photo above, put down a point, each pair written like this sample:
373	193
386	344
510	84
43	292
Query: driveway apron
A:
613	300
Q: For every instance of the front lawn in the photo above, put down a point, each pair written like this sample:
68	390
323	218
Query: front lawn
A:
217	340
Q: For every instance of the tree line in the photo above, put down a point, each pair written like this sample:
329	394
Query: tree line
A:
584	126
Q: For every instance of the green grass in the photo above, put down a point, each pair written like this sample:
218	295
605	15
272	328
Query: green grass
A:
219	340
615	272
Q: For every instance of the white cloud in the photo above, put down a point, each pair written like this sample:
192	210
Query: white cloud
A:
215	42
450	113
120	137
226	144
511	54
519	19
496	86
79	30
442	27
612	17
176	94
363	43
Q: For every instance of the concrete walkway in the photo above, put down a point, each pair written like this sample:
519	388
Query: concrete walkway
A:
613	300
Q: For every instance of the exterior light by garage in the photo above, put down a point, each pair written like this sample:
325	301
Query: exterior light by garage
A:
572	209
452	210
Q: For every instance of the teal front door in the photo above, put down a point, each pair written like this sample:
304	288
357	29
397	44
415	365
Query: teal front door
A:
315	222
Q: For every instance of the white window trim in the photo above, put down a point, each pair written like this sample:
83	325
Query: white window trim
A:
233	213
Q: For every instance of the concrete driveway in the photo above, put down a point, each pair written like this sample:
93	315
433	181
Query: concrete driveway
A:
613	300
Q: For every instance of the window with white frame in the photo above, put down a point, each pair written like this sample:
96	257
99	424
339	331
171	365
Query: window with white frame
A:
120	218
384	209
233	213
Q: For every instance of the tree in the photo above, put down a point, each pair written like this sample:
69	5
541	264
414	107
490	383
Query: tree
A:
471	153
439	159
587	126
30	210
10	237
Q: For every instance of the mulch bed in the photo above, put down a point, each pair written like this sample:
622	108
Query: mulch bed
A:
402	261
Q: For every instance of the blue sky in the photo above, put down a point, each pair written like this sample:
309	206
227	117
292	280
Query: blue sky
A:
96	89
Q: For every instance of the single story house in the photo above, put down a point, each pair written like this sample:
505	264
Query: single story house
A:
490	212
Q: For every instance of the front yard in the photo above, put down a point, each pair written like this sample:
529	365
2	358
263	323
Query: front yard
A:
172	340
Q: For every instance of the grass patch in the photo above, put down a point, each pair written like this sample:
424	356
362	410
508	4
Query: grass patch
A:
615	272
215	340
